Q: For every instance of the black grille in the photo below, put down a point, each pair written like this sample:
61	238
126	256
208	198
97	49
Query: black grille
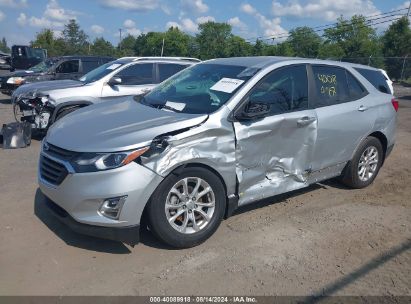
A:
60	153
51	171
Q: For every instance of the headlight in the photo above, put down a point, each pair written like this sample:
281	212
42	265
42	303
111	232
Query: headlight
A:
92	162
15	80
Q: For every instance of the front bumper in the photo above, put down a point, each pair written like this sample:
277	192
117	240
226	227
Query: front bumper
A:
7	88
81	194
129	235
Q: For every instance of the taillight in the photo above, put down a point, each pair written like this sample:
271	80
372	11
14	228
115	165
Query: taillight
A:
395	104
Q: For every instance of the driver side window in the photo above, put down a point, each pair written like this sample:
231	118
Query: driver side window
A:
283	90
70	66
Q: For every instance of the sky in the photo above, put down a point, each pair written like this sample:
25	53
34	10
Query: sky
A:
20	20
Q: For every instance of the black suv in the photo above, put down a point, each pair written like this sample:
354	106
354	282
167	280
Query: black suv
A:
53	68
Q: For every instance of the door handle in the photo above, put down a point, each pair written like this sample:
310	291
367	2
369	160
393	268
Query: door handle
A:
306	120
362	108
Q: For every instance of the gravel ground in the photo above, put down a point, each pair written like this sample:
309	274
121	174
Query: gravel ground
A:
326	239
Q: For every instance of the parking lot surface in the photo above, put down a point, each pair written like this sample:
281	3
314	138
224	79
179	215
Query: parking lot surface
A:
324	239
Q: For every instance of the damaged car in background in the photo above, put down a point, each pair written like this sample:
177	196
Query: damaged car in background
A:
43	103
221	134
53	68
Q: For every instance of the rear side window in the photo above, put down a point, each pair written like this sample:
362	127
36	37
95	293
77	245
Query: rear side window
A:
166	70
70	66
284	90
137	74
89	65
376	78
356	89
330	85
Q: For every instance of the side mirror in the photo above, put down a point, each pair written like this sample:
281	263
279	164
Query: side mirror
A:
254	110
114	81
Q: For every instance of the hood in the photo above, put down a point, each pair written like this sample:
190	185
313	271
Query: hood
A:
45	86
116	126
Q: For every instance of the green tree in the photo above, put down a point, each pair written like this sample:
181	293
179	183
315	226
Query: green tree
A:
284	49
396	42
126	46
238	47
258	48
176	43
213	39
102	47
148	44
75	39
3	46
304	42
46	40
331	51
355	38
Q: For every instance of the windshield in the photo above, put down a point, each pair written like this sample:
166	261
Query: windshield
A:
200	89
35	53
43	66
101	71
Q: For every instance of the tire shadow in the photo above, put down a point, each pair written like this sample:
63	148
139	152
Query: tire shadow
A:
70	237
276	199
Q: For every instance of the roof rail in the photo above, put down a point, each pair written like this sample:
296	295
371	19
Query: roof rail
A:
168	58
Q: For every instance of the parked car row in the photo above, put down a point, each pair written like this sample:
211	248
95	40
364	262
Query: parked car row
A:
24	57
215	136
53	68
4	61
42	103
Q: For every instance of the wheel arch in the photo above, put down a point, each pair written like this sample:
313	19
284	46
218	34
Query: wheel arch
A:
204	166
378	135
71	104
230	204
384	142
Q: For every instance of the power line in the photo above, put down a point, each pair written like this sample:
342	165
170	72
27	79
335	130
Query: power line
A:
321	28
343	26
331	25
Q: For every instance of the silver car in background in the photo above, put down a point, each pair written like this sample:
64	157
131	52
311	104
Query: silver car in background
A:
221	134
43	103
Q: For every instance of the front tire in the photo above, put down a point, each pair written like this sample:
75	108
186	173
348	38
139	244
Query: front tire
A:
187	208
365	165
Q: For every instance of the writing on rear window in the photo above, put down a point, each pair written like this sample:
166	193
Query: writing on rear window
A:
329	83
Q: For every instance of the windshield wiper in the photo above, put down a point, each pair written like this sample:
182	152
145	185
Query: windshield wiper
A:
159	106
169	108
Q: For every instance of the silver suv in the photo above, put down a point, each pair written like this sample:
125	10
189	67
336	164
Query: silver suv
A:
43	103
221	134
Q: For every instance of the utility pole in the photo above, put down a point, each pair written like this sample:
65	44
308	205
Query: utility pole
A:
403	67
409	10
162	48
120	38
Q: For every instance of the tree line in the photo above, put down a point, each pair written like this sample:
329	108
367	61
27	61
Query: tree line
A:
349	40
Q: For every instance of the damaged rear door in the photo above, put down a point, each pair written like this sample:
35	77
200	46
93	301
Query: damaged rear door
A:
274	150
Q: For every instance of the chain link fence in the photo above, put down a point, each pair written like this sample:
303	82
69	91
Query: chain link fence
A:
398	68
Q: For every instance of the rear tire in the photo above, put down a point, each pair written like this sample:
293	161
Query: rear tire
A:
365	165
187	208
